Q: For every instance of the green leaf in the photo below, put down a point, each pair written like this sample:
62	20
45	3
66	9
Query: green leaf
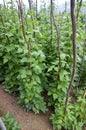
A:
20	50
49	93
26	101
51	68
24	59
37	69
6	59
36	78
56	69
55	96
23	73
10	48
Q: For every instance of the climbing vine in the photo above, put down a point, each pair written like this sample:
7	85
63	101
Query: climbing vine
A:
41	61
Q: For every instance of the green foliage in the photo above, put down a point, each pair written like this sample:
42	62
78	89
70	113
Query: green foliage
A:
74	117
58	81
40	69
22	73
10	122
82	78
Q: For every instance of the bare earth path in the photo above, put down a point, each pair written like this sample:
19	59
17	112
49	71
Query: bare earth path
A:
29	120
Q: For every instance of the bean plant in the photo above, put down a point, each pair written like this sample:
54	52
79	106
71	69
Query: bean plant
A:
37	67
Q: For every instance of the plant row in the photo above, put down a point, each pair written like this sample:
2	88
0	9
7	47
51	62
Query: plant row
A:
31	65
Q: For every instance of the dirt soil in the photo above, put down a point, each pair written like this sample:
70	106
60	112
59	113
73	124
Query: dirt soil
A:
29	121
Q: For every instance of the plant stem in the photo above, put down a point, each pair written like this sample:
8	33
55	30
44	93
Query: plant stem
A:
73	20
